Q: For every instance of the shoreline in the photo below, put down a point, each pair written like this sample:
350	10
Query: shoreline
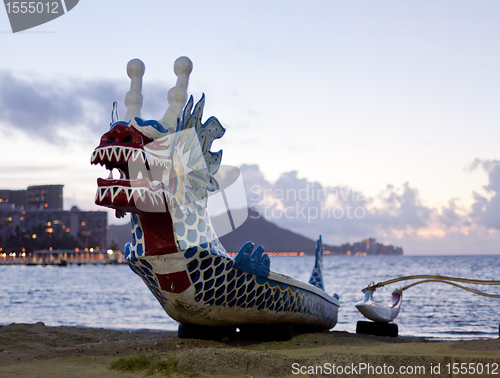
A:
35	350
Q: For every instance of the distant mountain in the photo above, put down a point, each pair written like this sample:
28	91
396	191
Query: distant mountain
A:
255	229
262	232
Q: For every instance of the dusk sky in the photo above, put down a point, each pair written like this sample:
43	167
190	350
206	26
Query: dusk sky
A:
396	103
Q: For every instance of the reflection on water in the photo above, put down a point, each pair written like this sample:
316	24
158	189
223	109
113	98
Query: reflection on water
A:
114	297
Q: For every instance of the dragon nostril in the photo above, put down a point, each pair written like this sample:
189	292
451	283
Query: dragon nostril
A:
127	139
110	140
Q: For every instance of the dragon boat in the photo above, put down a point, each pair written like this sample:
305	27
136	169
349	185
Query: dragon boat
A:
166	171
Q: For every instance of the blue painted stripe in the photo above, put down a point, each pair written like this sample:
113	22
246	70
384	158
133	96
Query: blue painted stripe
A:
152	123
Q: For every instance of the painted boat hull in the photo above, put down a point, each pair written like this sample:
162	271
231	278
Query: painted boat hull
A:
220	295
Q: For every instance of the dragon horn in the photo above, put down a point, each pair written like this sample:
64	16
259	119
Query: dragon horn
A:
177	96
134	99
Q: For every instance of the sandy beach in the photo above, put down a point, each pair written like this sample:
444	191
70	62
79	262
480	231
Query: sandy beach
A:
35	350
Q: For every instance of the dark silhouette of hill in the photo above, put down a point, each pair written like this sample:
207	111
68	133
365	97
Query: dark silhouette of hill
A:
262	232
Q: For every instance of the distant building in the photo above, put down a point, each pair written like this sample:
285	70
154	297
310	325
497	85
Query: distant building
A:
37	197
369	247
34	219
12	197
44	197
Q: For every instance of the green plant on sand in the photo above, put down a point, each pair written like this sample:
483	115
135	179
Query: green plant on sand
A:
152	364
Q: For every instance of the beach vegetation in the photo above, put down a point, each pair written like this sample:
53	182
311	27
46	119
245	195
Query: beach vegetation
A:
152	364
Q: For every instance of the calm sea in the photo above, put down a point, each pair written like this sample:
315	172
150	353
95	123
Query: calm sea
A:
113	297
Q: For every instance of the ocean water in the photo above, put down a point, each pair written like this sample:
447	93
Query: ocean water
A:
113	297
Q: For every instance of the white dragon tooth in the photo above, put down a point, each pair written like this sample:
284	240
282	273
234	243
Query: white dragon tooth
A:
102	152
137	154
102	193
117	151
127	153
129	192
151	197
110	177
115	191
139	175
160	198
109	152
136	194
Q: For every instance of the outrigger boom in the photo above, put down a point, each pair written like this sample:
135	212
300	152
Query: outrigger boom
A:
385	314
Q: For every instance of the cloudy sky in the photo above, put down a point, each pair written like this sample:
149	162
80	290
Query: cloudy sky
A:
388	107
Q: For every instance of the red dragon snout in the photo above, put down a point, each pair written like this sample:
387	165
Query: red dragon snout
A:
122	148
123	135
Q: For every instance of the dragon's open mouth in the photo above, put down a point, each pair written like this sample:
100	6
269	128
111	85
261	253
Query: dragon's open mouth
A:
143	183
160	170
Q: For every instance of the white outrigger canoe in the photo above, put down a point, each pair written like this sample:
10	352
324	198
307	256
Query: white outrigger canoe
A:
378	312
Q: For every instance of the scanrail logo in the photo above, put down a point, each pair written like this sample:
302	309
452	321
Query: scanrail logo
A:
28	14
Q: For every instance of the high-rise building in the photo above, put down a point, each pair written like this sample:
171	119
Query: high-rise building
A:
13	197
35	216
369	247
44	197
38	197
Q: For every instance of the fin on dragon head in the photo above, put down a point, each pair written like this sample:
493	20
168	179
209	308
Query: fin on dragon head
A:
163	165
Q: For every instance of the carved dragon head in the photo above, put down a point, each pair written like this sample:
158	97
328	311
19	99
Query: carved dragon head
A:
163	164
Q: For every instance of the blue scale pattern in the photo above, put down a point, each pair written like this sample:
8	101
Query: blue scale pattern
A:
316	280
144	270
217	283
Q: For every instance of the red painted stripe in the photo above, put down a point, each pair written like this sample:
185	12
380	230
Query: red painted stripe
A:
175	282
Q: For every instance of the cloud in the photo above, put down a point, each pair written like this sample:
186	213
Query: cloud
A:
401	209
451	216
340	213
397	215
486	211
487	165
58	111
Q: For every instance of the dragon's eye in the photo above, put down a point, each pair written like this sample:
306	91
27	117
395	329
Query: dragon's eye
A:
127	139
